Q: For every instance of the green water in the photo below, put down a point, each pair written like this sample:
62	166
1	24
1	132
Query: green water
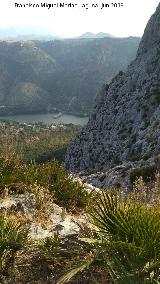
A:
46	118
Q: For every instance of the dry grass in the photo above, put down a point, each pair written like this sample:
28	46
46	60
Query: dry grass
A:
42	203
146	193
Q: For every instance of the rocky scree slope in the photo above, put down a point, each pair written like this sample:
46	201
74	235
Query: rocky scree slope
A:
125	122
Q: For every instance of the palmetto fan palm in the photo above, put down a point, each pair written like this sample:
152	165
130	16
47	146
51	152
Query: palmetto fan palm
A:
131	233
13	236
126	244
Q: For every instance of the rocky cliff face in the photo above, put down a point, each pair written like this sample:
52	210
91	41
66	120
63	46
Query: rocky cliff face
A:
125	122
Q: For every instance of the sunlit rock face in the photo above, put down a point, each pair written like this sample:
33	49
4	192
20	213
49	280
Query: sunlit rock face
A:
125	122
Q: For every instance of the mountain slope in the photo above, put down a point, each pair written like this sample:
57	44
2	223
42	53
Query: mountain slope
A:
24	70
125	122
64	74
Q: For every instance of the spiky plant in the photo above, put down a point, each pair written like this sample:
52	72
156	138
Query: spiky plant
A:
13	236
131	234
126	244
66	254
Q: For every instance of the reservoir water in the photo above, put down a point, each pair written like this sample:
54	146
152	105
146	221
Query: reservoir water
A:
47	119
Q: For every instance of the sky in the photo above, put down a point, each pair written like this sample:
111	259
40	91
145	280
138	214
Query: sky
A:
129	18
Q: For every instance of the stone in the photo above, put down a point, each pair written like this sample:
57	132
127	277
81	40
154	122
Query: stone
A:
124	124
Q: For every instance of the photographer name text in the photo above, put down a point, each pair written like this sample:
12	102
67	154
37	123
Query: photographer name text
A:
55	5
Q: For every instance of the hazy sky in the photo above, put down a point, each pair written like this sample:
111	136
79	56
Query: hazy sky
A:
130	19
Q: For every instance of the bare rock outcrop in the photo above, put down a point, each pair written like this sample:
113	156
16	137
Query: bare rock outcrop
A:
125	122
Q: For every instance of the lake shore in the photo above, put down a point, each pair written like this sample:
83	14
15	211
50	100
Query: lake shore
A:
47	118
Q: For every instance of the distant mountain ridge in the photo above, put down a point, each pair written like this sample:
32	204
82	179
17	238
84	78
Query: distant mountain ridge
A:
98	35
39	76
39	33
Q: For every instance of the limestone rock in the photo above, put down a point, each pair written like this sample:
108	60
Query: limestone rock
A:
60	221
125	122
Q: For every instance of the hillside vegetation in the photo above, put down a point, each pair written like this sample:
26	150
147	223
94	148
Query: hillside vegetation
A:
118	242
36	142
37	76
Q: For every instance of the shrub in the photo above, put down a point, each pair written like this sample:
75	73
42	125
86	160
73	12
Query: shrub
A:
147	173
120	73
50	175
135	158
8	170
70	194
13	236
43	174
